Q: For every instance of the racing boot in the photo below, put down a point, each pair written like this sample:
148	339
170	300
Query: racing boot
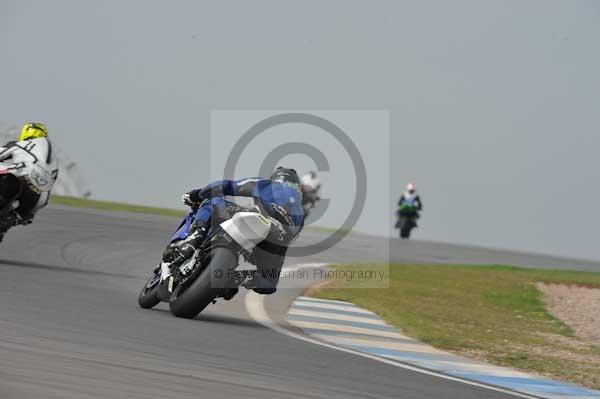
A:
179	251
261	283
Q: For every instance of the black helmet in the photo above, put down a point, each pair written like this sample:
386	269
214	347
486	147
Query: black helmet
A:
286	176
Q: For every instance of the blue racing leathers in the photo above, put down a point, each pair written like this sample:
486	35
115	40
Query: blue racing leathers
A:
275	200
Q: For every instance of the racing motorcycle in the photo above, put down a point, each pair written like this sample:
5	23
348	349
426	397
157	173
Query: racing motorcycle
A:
407	219
309	203
210	273
309	200
12	179
8	216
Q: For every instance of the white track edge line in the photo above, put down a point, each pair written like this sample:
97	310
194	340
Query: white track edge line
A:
255	307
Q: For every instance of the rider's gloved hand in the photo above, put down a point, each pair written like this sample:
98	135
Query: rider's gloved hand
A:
191	198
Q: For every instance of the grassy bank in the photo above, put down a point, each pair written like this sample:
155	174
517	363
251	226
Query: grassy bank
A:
114	206
149	210
494	313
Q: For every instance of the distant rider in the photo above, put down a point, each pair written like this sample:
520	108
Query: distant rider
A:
411	198
27	183
310	191
278	198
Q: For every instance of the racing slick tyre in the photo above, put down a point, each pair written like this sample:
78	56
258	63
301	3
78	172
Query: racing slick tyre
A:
405	229
188	300
148	298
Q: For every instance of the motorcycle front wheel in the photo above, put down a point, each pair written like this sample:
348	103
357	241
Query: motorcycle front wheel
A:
147	298
405	228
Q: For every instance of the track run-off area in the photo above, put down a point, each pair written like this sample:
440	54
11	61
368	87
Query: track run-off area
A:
70	325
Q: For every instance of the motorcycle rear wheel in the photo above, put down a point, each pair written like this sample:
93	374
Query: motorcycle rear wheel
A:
188	301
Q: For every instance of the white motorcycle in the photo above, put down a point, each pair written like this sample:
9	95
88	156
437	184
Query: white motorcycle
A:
14	177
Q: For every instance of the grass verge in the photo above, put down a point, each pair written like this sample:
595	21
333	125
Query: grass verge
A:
494	313
114	206
149	210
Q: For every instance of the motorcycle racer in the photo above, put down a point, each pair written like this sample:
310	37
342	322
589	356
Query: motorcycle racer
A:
26	183
310	191
409	207
278	198
411	197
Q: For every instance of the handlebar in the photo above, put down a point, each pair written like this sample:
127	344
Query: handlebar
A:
198	205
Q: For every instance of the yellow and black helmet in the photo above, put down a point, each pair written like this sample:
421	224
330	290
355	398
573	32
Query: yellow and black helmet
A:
33	131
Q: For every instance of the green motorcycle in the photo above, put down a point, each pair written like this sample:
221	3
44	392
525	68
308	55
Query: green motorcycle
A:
407	219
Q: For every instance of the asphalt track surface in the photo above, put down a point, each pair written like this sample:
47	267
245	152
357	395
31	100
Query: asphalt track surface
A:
70	326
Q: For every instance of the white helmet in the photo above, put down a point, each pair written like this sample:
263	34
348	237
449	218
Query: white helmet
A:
411	188
310	181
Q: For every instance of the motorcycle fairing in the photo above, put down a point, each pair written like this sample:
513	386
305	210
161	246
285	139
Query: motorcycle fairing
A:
184	228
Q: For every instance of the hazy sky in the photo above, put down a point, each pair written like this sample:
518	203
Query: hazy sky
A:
493	105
